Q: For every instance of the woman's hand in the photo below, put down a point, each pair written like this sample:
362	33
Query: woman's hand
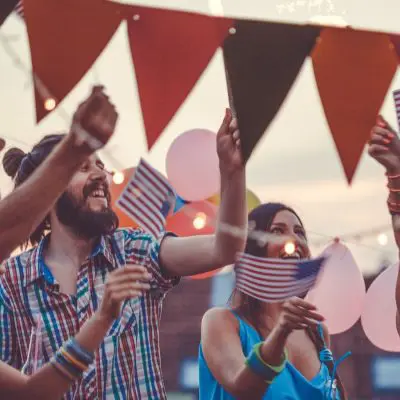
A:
384	146
123	284
228	145
298	314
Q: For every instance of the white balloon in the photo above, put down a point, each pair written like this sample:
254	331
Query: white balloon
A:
378	318
340	289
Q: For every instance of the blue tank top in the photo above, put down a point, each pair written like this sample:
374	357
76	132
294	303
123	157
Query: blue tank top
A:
290	384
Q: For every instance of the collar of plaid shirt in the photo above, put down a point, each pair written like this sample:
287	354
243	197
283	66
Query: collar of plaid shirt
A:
127	364
36	269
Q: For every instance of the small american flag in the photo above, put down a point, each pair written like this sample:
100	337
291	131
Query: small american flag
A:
273	280
147	198
396	98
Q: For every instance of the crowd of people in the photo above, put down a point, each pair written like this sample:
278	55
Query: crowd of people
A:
98	290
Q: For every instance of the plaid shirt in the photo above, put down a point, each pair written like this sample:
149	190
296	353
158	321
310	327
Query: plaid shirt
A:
127	364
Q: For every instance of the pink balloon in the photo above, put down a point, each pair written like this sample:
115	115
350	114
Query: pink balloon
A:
192	165
340	289
378	318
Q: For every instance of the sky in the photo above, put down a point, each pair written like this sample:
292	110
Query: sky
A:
295	162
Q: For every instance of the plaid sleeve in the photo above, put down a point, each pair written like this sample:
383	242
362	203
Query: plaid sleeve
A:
144	249
8	350
163	282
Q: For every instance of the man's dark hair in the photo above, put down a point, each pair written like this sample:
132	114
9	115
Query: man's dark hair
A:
20	165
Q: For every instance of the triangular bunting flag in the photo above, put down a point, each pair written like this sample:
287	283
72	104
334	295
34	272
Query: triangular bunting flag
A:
170	51
353	70
179	203
262	61
66	37
6	8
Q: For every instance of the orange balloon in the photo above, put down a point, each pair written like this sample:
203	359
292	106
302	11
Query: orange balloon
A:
197	218
116	189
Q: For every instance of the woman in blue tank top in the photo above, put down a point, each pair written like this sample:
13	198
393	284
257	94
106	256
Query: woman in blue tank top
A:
269	351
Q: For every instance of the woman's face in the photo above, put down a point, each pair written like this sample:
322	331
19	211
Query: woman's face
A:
286	224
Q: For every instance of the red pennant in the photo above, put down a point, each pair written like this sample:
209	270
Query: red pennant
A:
353	70
66	37
170	51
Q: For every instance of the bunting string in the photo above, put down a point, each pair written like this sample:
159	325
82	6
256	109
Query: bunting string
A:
261	236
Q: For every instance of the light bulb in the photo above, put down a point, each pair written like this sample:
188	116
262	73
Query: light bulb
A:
290	248
199	221
118	177
382	239
50	104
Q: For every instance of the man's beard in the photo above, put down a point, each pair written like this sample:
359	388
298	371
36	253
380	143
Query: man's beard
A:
83	222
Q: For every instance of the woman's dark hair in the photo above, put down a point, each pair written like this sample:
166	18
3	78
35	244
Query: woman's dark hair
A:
19	166
261	219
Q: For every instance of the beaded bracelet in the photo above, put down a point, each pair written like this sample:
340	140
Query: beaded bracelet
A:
71	360
268	372
73	347
392	176
393	206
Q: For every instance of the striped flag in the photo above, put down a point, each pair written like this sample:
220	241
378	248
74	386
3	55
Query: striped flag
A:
147	198
396	98
273	280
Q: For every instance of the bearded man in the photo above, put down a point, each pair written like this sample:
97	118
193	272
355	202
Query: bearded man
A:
78	244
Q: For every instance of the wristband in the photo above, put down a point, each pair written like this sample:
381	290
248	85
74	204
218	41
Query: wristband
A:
268	372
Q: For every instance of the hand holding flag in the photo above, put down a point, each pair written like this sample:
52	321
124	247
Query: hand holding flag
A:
384	145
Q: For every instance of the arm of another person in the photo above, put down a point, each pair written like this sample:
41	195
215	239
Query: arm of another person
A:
193	255
398	302
47	383
24	208
384	147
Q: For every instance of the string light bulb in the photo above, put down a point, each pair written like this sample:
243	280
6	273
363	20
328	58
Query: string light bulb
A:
118	177
290	248
50	104
382	239
199	221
